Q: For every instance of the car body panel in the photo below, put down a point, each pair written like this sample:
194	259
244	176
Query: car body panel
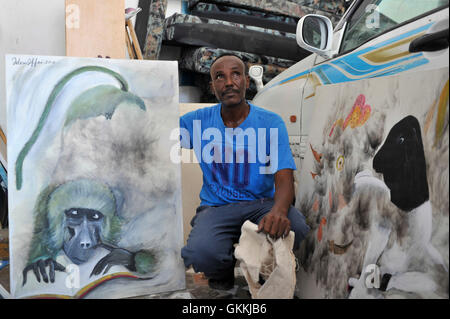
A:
292	92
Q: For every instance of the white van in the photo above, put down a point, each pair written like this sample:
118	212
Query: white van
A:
374	38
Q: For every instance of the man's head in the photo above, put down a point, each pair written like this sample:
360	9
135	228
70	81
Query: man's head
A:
229	79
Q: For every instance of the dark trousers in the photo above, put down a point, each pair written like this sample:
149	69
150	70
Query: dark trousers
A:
209	248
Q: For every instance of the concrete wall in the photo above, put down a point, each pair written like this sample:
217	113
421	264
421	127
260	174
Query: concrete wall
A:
191	178
29	27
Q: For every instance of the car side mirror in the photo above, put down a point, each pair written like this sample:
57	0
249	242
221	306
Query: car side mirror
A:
315	34
256	72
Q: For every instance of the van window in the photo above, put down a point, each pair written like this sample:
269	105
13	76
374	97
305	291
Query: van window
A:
373	17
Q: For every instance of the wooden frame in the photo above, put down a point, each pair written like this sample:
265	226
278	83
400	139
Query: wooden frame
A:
95	28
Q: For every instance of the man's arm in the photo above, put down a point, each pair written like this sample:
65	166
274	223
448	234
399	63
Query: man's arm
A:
276	223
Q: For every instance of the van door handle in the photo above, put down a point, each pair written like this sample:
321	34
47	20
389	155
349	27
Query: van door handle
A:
430	42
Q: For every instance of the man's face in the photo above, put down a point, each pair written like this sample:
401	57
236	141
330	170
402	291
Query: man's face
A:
228	80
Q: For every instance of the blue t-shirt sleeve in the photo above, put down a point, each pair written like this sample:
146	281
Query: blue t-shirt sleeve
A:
285	158
186	130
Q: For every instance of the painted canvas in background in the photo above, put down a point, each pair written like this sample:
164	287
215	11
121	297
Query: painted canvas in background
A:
375	190
94	198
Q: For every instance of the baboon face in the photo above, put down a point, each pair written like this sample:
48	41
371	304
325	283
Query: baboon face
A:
82	228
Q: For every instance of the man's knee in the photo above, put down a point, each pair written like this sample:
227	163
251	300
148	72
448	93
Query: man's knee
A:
207	257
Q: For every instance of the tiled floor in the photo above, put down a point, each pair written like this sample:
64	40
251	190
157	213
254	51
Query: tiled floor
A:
197	288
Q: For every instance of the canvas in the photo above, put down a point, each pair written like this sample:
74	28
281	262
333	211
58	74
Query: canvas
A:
375	190
95	202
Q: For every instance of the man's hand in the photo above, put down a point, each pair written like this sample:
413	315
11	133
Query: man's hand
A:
275	224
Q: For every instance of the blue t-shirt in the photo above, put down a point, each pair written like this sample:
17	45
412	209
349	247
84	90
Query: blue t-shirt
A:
238	164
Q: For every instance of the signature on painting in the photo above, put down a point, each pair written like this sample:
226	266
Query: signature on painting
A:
33	62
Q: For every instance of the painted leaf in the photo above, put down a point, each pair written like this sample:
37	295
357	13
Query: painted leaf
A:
100	100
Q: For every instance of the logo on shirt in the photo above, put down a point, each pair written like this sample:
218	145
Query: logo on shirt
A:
236	146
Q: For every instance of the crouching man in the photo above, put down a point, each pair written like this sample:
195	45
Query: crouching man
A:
243	151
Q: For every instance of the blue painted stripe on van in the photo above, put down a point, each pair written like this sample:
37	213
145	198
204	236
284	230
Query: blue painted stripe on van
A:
335	76
322	76
354	65
401	68
374	68
357	64
332	73
294	76
285	80
395	39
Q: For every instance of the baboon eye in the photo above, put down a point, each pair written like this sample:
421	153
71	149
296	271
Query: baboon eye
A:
94	216
72	213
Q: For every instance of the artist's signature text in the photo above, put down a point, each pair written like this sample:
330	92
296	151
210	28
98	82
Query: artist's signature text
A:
32	62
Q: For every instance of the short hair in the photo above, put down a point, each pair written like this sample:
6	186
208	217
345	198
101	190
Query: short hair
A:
230	54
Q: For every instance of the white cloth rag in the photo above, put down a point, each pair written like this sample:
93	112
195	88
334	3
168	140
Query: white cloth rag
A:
272	259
